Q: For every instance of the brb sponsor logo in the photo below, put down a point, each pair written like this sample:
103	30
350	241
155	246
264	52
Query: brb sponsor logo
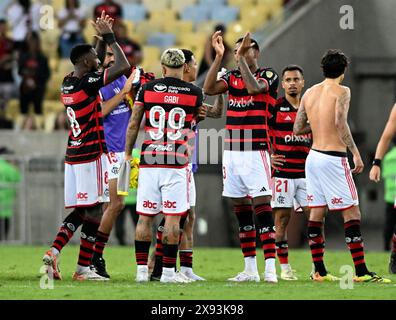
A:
82	196
336	200
169	204
150	205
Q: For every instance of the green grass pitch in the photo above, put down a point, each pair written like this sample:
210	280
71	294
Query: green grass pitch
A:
20	277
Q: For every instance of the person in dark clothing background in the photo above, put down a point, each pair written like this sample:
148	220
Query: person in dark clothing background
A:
34	71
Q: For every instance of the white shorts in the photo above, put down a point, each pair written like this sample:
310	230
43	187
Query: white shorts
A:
162	190
191	186
246	173
114	160
289	193
86	184
329	182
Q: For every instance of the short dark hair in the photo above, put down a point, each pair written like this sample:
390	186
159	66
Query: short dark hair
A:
188	54
78	51
3	21
334	63
292	67
255	44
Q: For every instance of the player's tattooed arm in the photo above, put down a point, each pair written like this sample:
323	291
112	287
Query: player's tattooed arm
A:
341	121
253	85
216	110
133	129
301	124
121	65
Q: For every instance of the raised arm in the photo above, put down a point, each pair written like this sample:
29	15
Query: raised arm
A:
212	86
253	85
121	65
301	125
133	129
383	145
216	111
341	123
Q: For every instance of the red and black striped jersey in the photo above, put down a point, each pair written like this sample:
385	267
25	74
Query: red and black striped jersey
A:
82	102
284	142
170	106
247	115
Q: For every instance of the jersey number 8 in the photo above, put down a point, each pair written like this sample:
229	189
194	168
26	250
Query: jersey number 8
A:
158	120
74	125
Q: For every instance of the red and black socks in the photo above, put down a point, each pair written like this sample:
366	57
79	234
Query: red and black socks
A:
317	246
71	223
354	241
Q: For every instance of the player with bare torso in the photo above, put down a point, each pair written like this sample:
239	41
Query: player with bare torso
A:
329	178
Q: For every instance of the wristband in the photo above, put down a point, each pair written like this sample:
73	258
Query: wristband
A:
377	162
109	38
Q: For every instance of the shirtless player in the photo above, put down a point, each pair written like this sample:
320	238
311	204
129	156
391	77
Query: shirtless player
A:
324	110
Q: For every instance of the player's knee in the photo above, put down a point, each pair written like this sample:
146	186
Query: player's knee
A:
94	213
191	216
117	206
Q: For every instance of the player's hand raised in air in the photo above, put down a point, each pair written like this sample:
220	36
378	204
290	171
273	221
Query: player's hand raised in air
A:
375	174
217	43
359	166
104	24
245	45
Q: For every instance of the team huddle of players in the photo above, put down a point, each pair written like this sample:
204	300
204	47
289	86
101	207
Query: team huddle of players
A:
279	154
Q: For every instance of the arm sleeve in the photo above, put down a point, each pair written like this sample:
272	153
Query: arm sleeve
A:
226	78
92	82
139	100
272	78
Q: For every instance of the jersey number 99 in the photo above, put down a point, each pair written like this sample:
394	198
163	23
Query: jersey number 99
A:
158	121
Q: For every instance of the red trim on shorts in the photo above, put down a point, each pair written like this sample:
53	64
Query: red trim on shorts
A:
147	214
341	209
162	166
313	207
84	205
188	173
176	214
267	171
349	179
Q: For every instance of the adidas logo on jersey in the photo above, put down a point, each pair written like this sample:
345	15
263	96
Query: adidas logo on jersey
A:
263	189
288	118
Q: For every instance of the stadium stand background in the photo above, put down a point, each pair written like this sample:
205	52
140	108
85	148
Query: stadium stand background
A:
298	34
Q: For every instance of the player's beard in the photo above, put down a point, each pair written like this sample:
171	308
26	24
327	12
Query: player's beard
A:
293	94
